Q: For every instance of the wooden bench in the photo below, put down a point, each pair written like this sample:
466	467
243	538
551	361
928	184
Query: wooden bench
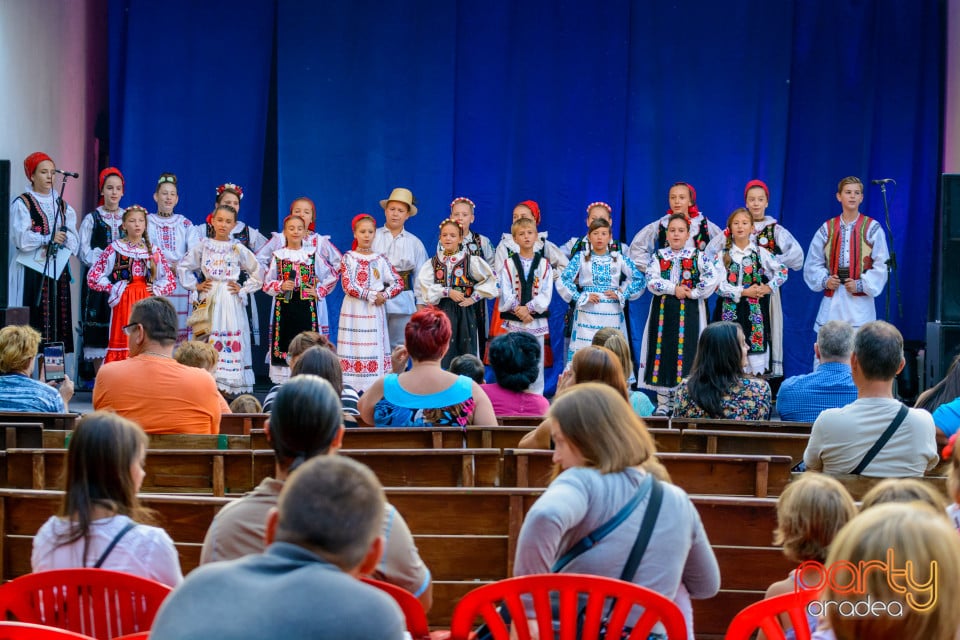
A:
61	439
404	438
63	421
766	426
240	424
712	474
744	442
431	467
858	486
21	434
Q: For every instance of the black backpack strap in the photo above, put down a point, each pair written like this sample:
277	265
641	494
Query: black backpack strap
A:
646	530
106	552
882	440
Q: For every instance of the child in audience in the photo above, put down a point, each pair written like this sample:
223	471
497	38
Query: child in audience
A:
953	482
810	512
101	523
298	278
526	288
305	209
909	533
599	284
201	355
246	403
614	340
751	275
903	490
99	228
454	281
129	269
680	278
221	260
406	254
171	232
470	366
369	280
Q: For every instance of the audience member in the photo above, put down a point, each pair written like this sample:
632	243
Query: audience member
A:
953	484
18	391
589	364
810	512
614	340
246	403
100	522
515	359
426	394
911	533
943	401
306	422
323	361
324	533
468	365
802	398
903	490
150	387
601	447
201	355
876	435
717	386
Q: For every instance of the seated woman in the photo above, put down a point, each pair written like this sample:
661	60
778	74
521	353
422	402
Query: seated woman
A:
614	340
426	394
18	391
101	522
717	387
589	364
515	358
602	447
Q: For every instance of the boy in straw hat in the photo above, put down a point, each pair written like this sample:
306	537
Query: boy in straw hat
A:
406	253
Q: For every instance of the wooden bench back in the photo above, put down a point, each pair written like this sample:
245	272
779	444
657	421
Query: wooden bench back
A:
63	421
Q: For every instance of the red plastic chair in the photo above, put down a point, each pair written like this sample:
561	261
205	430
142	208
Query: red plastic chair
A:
568	587
27	631
764	615
96	602
413	611
143	635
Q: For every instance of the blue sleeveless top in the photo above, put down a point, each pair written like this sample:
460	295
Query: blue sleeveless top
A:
452	407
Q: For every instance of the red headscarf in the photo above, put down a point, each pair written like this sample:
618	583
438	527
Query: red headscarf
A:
311	226
756	183
534	208
353	225
33	161
106	173
692	211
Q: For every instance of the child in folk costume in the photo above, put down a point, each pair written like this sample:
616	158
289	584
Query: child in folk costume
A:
455	280
171	233
35	219
526	288
768	234
99	228
221	260
304	209
298	279
406	253
129	270
751	275
680	278
600	282
462	211
368	280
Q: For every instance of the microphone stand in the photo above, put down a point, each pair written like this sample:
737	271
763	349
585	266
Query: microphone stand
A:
59	220
892	260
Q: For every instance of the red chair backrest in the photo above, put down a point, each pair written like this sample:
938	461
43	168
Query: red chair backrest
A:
412	609
764	615
569	590
27	631
96	602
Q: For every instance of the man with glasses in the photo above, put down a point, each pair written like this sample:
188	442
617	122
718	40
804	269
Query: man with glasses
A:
150	387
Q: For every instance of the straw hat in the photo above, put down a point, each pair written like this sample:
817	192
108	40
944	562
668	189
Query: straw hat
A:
401	195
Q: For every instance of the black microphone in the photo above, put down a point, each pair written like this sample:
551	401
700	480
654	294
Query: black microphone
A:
884	181
71	174
58	245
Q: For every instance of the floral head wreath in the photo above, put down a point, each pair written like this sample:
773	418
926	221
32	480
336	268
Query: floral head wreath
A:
465	201
447	221
134	207
600	204
232	187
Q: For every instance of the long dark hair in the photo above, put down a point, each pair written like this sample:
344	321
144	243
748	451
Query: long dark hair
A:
103	448
320	361
717	367
944	391
304	419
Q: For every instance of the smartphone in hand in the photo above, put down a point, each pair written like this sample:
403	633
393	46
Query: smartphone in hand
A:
54	369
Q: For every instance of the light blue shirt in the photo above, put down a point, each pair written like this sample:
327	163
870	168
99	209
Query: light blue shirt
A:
20	393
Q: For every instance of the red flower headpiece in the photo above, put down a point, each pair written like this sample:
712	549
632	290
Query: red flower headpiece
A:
311	226
231	187
692	211
600	204
464	200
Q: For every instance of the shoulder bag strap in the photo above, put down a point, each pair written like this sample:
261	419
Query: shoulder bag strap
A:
878	445
646	530
603	530
106	552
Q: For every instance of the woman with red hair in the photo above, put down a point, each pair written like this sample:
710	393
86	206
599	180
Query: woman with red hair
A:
426	394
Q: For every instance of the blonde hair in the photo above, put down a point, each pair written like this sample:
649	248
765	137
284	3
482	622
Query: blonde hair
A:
849	180
246	404
601	425
194	353
913	533
614	340
18	347
810	512
903	490
522	223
